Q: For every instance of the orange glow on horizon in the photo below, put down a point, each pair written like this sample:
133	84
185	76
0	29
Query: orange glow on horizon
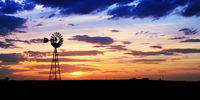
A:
76	73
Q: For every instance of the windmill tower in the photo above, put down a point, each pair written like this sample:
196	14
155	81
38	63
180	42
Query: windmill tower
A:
56	41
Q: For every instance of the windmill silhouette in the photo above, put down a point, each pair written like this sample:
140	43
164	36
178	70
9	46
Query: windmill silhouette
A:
56	41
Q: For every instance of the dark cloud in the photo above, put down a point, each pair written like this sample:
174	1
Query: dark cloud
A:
156	46
37	53
114	71
10	24
94	40
177	38
126	42
11	58
175	59
115	31
147	8
189	68
11	7
99	46
71	24
80	53
7	45
36	41
149	61
188	31
39	24
156	9
74	68
117	48
192	8
68	7
155	53
145	43
122	11
16	40
65	68
7	72
65	60
187	50
191	40
63	53
142	32
164	52
25	41
51	15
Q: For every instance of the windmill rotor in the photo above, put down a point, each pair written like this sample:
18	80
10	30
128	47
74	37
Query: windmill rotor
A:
56	40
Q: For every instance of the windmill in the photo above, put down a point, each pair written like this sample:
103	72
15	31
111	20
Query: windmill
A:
56	41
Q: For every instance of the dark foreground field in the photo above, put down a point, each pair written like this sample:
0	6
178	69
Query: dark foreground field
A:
98	87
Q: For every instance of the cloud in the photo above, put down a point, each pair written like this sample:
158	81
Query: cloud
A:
25	41
7	45
36	41
126	42
191	40
7	72
177	38
37	53
156	46
75	68
51	15
123	9
10	24
66	60
68	7
71	24
153	53
168	52
65	68
117	48
187	50
94	40
38	25
142	32
192	8
12	7
99	46
189	68
147	8
80	53
114	71
63	53
115	31
149	61
11	58
15	40
188	31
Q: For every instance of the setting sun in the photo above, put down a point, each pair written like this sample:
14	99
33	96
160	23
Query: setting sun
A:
76	73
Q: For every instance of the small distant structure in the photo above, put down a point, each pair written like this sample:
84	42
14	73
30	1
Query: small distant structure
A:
56	41
6	79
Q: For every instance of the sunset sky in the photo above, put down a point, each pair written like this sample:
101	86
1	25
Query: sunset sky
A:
103	39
